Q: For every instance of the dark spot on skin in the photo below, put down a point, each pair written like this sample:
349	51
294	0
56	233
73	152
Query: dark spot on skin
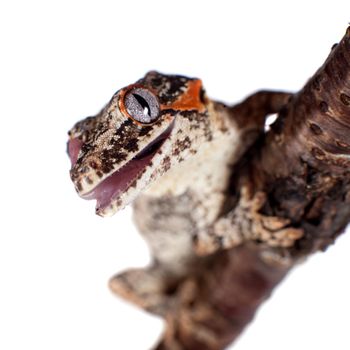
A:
323	106
318	153
79	186
209	135
85	148
110	157
157	81
125	131
316	129
99	173
191	115
88	180
93	165
110	116
83	169
194	127
182	145
345	99
169	111
132	145
166	163
145	130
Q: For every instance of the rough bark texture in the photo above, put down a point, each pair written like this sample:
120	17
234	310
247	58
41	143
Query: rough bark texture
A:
298	173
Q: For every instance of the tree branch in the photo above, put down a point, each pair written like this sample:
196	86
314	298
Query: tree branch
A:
292	197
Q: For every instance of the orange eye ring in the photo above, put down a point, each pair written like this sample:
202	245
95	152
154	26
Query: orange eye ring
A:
139	104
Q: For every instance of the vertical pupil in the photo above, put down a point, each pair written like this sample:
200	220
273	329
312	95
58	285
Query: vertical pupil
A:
143	103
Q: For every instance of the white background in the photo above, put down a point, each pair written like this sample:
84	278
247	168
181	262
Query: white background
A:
61	61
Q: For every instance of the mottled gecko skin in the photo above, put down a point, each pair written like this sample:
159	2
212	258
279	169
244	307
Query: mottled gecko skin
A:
179	195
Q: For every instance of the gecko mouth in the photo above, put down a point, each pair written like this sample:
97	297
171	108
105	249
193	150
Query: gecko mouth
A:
109	189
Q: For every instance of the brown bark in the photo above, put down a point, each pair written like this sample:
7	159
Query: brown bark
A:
303	163
299	172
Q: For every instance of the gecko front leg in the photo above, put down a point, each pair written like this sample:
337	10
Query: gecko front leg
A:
226	231
245	223
145	287
166	223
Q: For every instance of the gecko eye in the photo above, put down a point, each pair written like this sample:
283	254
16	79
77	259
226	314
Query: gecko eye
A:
142	105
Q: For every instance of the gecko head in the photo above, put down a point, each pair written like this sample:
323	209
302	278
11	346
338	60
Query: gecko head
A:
146	129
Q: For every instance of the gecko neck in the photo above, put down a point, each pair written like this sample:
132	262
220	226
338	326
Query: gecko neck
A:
207	170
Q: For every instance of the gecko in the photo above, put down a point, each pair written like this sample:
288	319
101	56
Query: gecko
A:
163	146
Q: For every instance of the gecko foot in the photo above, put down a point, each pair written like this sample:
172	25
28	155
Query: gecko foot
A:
148	288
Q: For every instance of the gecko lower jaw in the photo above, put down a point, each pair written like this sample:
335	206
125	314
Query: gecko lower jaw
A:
109	189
